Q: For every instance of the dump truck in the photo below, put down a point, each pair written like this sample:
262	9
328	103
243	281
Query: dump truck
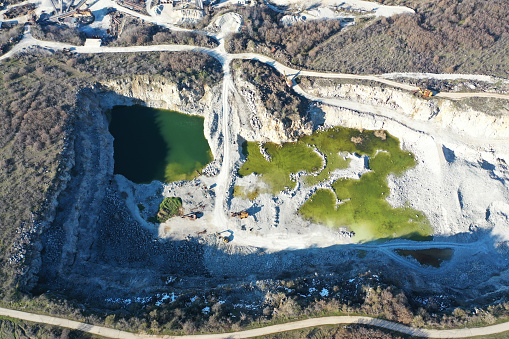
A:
240	215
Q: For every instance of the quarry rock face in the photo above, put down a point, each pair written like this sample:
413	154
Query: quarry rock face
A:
446	114
157	92
264	126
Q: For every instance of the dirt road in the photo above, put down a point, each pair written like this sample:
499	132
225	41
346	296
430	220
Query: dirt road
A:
219	52
112	333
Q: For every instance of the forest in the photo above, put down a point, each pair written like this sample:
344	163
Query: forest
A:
264	33
443	36
138	33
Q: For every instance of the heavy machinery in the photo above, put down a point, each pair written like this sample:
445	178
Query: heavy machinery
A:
427	93
191	216
288	81
224	237
240	215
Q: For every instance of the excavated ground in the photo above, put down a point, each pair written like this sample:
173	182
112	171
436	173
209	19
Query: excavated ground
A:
101	249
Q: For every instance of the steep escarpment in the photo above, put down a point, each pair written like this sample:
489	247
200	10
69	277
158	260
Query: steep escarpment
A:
461	117
460	176
76	238
275	112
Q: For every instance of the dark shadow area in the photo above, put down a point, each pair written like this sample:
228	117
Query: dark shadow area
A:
448	154
433	257
253	209
140	149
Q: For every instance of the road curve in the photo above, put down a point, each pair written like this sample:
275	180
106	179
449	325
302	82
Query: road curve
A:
313	322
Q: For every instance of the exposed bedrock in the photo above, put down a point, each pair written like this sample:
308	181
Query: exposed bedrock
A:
449	115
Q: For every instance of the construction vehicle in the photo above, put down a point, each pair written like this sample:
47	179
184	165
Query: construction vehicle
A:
288	81
427	93
226	239
191	216
240	215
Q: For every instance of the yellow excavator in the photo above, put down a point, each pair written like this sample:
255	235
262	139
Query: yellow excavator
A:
427	93
223	236
240	215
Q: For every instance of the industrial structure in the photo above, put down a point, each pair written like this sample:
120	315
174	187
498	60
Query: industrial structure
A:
79	13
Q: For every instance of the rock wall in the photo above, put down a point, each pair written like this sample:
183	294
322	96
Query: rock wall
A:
262	125
157	92
447	114
68	233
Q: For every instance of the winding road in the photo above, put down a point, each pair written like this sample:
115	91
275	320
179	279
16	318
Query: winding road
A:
295	325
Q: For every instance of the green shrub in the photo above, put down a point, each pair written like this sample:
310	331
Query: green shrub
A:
170	207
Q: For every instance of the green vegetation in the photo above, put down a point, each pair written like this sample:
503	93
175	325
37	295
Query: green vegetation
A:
169	208
11	328
330	143
250	193
340	331
284	160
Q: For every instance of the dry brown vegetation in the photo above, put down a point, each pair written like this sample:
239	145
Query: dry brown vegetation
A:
37	97
9	35
58	32
444	36
263	33
138	33
279	100
18	329
17	11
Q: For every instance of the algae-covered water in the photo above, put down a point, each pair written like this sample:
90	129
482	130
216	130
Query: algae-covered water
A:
155	144
362	206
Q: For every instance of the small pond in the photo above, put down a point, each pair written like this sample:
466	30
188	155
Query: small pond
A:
429	257
155	144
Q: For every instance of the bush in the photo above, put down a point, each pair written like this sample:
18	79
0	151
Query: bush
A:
444	36
264	33
60	33
169	208
139	33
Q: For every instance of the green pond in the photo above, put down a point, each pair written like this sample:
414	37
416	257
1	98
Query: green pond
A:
155	144
428	257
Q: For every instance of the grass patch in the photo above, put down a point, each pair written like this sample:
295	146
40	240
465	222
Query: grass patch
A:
170	207
250	193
